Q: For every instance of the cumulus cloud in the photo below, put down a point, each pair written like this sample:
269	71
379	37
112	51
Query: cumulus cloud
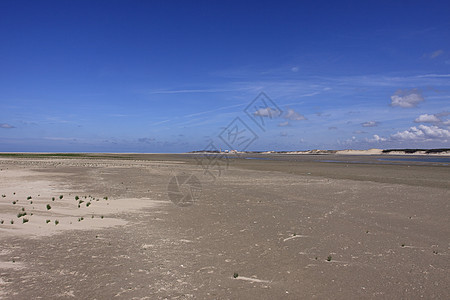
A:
426	118
359	132
377	138
294	116
422	132
267	112
435	119
370	124
6	126
407	98
283	124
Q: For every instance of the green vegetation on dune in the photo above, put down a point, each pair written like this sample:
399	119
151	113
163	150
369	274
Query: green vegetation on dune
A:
410	151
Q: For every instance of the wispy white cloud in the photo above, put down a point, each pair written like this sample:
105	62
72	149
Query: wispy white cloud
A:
162	122
436	53
433	76
6	126
118	115
443	114
213	110
267	112
59	120
191	91
191	118
369	124
146	140
60	138
293	115
283	124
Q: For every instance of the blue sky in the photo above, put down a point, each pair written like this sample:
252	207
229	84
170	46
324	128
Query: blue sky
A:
174	76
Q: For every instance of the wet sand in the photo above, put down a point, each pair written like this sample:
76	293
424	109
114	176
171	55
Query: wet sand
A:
285	227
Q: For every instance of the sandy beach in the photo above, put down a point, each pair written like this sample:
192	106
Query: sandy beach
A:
254	227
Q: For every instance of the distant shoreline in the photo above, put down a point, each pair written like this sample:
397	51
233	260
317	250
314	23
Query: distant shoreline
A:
439	151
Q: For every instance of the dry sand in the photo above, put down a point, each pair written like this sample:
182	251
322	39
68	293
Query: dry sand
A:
286	228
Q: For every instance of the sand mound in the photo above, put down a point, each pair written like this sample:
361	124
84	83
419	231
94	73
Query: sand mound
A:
361	152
